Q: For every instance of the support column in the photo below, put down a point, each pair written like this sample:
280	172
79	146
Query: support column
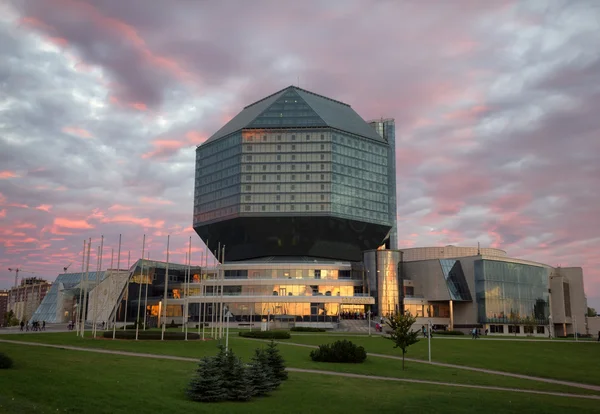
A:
451	328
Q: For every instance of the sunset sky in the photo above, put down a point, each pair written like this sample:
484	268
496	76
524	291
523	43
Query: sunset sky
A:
497	108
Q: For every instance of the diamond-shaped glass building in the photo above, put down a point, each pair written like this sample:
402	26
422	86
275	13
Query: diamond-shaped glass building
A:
295	174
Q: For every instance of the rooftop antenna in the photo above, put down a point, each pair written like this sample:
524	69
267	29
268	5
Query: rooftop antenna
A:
478	250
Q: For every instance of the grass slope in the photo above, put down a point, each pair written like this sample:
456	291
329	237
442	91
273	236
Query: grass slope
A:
298	357
52	380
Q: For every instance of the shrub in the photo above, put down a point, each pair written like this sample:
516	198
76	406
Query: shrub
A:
266	334
5	361
448	333
150	335
339	351
306	329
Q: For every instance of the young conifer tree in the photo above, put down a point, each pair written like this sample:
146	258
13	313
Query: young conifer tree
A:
240	388
260	374
207	383
276	362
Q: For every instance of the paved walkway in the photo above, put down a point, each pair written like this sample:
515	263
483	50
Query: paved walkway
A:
467	368
314	371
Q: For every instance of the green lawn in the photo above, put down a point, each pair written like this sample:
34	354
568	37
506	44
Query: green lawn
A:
563	360
298	357
54	380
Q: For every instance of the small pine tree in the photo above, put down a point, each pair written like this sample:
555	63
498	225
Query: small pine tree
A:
276	362
260	374
207	383
240	388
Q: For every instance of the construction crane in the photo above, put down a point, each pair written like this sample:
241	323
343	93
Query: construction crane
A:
17	270
66	268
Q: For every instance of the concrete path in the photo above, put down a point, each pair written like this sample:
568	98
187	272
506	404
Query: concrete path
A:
463	367
314	371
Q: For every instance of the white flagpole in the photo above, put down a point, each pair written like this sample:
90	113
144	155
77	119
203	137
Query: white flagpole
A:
183	292
117	293
187	301
137	320
221	313
85	291
127	291
203	281
165	296
95	319
214	294
147	280
101	254
78	316
201	292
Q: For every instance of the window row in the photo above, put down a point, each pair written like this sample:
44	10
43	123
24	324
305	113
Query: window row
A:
285	137
306	147
249	178
285	157
272	198
276	208
286	188
284	167
358	143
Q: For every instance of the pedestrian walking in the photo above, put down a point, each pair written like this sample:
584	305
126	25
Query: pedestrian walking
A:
43	325
22	325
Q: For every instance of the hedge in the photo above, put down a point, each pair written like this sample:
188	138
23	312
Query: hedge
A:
5	361
153	335
306	329
448	333
339	351
266	334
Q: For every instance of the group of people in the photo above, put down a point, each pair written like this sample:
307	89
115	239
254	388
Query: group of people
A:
353	315
35	326
476	333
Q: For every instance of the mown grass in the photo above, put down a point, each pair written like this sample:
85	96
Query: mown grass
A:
55	380
298	357
569	361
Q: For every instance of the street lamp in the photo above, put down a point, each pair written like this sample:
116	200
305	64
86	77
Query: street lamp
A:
369	315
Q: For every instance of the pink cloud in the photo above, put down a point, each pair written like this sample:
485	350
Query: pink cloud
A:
3	213
7	174
126	219
80	132
119	207
157	201
72	224
44	207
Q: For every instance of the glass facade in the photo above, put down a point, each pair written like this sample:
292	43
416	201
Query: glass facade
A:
383	283
217	190
286	172
57	306
511	292
360	187
386	128
455	280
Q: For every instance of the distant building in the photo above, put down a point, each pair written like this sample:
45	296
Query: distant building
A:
25	299
3	306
